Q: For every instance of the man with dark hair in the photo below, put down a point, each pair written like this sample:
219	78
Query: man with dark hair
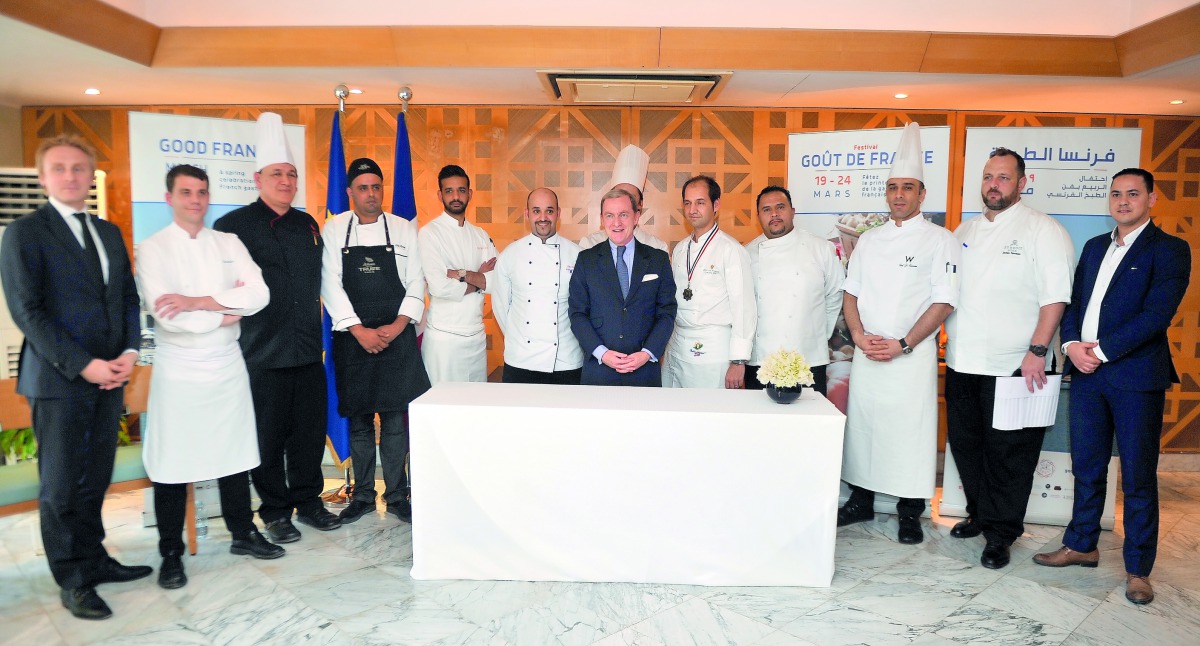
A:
374	290
714	325
1015	283
622	302
797	287
198	284
282	343
533	278
69	287
458	258
1128	286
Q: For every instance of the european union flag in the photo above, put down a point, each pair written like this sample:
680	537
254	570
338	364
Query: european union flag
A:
336	201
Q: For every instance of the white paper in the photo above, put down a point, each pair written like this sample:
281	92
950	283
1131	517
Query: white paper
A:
1017	408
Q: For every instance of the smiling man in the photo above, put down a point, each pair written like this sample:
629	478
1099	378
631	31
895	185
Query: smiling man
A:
714	327
533	278
622	301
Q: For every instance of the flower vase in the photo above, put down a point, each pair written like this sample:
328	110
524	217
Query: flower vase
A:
783	395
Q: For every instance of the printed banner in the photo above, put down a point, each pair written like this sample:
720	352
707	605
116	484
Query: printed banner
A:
224	148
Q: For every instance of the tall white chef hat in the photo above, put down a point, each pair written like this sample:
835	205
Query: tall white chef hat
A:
909	154
631	167
272	144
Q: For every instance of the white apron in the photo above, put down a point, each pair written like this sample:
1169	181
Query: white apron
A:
200	417
697	357
891	423
454	357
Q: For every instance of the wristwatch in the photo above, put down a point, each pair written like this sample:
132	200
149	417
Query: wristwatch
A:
462	275
739	362
905	347
1038	350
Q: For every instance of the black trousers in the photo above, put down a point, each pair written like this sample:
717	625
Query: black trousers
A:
515	375
996	467
170	506
905	507
289	406
393	450
819	380
77	443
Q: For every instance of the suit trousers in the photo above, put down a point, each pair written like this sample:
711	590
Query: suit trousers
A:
77	444
170	506
289	408
393	450
996	466
515	375
1100	412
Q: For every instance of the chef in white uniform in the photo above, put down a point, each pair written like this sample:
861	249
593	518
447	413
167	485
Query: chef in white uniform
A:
533	278
899	288
198	284
629	174
797	287
458	258
717	315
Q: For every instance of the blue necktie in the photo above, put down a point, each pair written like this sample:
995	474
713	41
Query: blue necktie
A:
622	272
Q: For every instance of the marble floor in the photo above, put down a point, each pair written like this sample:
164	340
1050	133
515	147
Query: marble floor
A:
352	586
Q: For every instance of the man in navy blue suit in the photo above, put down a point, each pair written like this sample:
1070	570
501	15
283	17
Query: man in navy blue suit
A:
1128	285
70	289
622	301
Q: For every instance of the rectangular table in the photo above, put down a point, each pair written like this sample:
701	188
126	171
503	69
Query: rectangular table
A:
591	483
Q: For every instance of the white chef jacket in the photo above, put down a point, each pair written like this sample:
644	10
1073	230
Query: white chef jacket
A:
200	417
898	272
1010	268
798	289
722	290
445	245
639	233
403	234
530	304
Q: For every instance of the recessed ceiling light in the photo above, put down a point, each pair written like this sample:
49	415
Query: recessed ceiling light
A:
1177	102
356	91
900	95
91	91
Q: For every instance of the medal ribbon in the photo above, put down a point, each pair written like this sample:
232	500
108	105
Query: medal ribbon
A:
691	265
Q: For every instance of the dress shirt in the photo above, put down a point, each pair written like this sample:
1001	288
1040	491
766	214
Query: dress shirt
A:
68	215
1090	326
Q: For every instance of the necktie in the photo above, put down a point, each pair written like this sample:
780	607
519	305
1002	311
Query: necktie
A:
622	272
89	247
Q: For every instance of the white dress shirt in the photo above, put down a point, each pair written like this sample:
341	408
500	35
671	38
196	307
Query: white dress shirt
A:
1089	329
68	214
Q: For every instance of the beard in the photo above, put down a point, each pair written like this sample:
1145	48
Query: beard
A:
999	202
456	208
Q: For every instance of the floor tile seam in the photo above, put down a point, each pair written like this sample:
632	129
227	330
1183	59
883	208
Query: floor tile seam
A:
1069	629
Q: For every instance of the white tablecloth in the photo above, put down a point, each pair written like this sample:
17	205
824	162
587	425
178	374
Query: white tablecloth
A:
591	483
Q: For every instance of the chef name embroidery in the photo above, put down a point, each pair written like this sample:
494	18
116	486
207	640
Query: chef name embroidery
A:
712	270
909	261
1013	248
368	266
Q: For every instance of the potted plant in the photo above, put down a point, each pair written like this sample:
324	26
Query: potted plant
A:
785	373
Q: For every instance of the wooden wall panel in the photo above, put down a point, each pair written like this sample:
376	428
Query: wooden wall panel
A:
509	150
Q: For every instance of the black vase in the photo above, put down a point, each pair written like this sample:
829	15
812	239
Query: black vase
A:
783	395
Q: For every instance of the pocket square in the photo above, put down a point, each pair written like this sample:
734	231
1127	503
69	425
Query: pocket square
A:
649	277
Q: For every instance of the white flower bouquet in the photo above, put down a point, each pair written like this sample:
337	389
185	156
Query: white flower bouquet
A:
785	369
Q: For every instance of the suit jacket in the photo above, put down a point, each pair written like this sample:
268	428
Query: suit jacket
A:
65	311
1137	309
643	319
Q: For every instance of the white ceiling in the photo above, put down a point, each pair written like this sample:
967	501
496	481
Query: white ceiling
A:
41	68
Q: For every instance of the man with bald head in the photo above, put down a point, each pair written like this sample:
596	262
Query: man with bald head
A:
533	276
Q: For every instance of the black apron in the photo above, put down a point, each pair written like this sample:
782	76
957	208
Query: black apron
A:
374	383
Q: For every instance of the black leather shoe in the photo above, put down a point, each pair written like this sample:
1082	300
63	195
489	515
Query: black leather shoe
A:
995	555
910	530
84	603
283	531
401	510
320	519
170	575
112	572
254	544
355	510
969	528
853	512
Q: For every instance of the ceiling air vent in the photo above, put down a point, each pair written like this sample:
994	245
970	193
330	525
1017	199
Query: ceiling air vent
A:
664	88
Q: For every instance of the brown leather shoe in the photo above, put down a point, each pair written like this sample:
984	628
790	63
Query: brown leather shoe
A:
1064	556
1138	589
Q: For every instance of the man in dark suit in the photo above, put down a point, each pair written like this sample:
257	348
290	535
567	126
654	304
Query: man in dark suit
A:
1127	288
70	289
622	302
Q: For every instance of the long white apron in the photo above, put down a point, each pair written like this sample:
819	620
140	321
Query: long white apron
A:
200	417
454	357
697	357
891	423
